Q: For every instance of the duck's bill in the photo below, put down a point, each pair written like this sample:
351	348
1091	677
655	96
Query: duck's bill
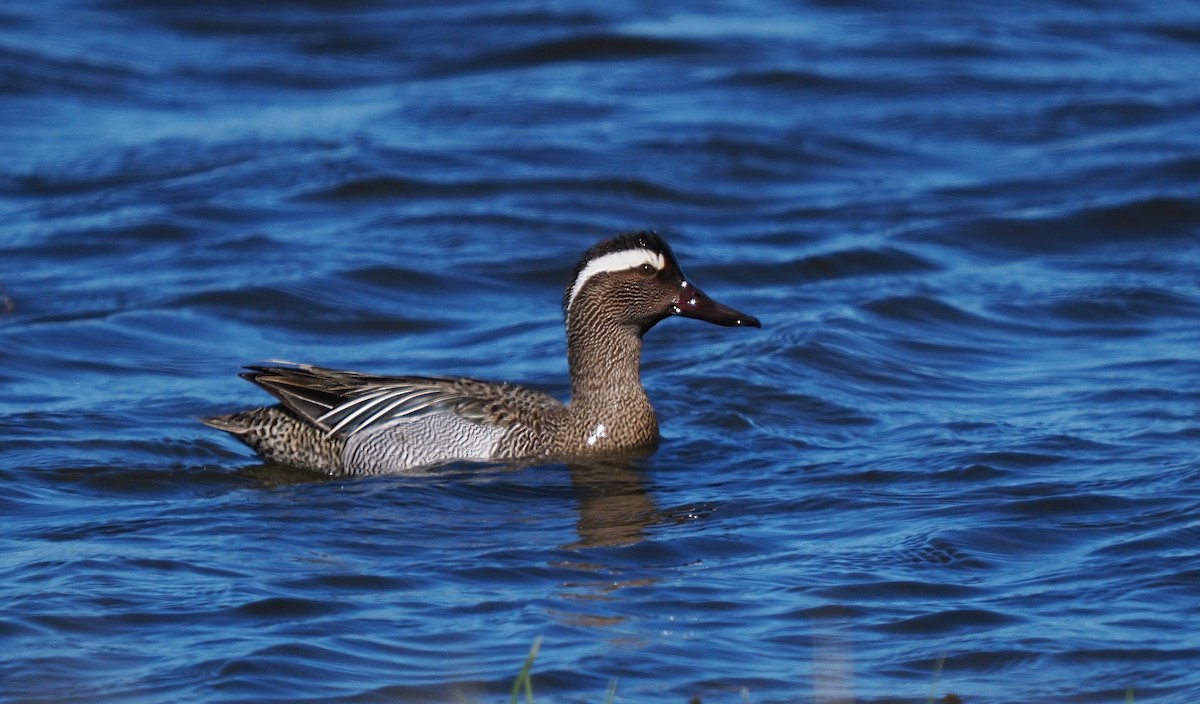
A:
694	303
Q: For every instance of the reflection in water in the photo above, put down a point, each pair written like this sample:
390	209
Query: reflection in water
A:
614	511
614	508
273	475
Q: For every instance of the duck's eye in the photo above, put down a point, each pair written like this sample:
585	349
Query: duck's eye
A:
647	269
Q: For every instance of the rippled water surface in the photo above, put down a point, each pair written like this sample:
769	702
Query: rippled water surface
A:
961	456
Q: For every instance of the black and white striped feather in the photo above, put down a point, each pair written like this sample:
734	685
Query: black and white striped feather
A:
345	403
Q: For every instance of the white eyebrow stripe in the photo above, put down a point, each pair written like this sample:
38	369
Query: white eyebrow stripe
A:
616	261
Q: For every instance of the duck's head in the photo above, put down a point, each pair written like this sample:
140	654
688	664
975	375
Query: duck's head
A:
634	280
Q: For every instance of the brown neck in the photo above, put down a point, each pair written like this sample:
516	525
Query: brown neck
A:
609	410
605	366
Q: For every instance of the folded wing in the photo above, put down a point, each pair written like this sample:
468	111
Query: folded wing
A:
347	403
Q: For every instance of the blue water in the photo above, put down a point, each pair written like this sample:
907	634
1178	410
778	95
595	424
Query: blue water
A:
961	456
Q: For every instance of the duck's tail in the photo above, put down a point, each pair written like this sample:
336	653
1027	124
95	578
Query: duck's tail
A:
277	435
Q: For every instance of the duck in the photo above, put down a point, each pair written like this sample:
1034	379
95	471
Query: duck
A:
352	423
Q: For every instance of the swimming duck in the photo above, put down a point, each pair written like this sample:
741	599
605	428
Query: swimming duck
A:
342	423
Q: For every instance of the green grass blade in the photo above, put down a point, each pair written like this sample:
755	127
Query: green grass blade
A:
523	677
610	695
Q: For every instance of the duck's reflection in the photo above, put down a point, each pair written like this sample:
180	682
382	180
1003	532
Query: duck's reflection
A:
274	475
615	510
614	507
